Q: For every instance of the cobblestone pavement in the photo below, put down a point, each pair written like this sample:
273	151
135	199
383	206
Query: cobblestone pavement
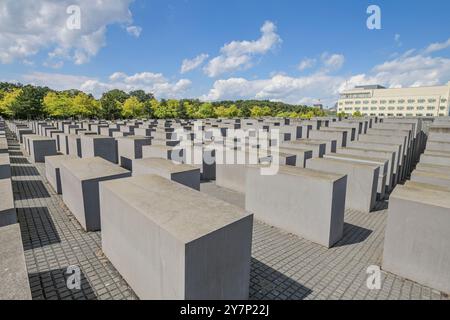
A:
284	266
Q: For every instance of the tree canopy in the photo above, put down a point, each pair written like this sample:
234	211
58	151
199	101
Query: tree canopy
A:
34	102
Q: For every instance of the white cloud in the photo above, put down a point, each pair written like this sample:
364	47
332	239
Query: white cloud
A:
437	46
55	81
135	31
333	62
238	55
148	81
306	63
410	69
191	64
28	27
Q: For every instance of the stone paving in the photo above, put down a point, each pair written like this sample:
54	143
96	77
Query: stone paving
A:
284	266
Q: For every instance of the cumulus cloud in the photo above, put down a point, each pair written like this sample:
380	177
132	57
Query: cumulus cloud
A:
135	31
333	62
238	55
191	64
411	69
148	81
28	27
306	63
437	46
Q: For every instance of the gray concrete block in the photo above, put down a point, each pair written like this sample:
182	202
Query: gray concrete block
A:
435	159
130	148
362	180
5	166
438	178
318	148
165	152
79	182
308	203
182	173
8	214
99	146
171	242
330	134
13	270
382	183
417	240
52	170
40	147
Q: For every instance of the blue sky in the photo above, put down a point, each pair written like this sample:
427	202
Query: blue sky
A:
293	51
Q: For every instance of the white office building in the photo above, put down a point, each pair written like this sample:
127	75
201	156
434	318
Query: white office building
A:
375	100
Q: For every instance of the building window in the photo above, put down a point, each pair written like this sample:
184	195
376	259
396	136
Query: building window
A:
374	101
382	108
373	108
400	108
421	100
411	101
442	108
420	108
366	101
391	101
443	100
401	101
365	108
383	101
430	108
431	100
391	108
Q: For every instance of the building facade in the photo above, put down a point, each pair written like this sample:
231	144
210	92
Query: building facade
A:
375	100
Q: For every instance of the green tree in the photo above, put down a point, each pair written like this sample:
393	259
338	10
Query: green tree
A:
191	109
141	95
85	106
133	108
7	99
29	103
58	104
357	114
112	102
206	110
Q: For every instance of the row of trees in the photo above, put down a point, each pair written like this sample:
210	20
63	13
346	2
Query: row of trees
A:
25	102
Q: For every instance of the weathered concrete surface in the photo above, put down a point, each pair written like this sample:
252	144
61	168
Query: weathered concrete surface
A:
99	146
288	200
40	147
5	166
383	163
318	148
325	134
182	173
362	180
172	242
164	152
79	182
301	155
130	148
8	213
417	241
52	170
438	178
13	271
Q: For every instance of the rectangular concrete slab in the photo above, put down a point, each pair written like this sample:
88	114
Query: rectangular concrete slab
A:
289	200
362	180
171	242
417	240
79	182
52	170
182	173
13	270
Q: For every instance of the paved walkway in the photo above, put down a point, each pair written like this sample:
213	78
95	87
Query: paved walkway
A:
284	266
